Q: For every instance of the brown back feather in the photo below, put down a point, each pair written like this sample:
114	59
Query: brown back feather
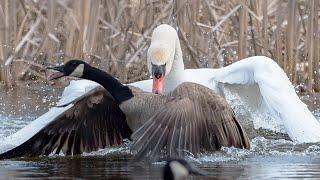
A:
194	120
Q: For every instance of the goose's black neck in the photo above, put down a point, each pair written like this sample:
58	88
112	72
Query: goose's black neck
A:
116	89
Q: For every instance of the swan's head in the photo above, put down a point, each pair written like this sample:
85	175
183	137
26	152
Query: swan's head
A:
160	61
161	54
180	169
74	68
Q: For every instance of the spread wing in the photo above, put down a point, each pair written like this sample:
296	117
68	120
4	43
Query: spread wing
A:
262	85
194	121
94	121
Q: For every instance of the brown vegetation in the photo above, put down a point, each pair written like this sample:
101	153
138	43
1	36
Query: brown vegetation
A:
115	34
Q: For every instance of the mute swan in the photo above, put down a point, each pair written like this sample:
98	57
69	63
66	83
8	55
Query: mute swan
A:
252	79
190	118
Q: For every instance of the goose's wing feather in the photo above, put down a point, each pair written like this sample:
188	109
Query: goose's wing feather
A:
93	121
193	120
260	81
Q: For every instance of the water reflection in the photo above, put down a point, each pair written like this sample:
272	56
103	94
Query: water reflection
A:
263	167
77	167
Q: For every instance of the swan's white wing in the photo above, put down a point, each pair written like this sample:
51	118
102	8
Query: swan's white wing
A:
145	85
75	89
277	94
71	92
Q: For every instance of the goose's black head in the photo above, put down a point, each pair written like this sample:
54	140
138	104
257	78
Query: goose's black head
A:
177	169
74	68
80	69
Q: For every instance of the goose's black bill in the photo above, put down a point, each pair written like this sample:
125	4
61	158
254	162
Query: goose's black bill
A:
58	74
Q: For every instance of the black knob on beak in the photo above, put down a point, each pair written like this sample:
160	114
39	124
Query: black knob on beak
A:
158	70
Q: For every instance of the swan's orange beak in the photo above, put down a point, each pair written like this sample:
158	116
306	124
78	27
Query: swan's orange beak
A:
157	86
158	73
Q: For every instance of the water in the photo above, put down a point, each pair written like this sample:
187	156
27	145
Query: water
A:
272	155
267	167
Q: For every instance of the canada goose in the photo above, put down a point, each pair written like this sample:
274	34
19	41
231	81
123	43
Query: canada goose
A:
190	119
258	81
180	169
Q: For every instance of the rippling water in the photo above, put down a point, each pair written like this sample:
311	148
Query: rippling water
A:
272	155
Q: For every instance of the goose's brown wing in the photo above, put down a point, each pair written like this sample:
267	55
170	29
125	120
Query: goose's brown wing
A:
94	121
191	122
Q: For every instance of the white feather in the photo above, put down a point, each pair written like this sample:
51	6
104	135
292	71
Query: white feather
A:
75	89
277	93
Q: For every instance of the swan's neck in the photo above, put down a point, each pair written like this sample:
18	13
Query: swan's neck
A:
176	75
119	92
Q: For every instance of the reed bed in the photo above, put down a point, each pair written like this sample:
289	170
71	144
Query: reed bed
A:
115	34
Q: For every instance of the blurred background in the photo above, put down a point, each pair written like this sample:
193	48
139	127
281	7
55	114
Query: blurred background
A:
115	34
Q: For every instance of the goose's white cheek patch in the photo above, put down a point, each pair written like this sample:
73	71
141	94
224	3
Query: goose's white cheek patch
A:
178	170
78	72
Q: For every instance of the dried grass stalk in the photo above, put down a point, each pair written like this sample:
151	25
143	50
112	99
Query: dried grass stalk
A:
115	34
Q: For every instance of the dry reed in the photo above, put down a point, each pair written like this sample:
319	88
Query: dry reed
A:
115	34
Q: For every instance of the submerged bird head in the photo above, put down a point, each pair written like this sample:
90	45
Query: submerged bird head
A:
178	169
74	68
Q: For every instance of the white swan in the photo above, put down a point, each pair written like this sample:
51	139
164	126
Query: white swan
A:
243	77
